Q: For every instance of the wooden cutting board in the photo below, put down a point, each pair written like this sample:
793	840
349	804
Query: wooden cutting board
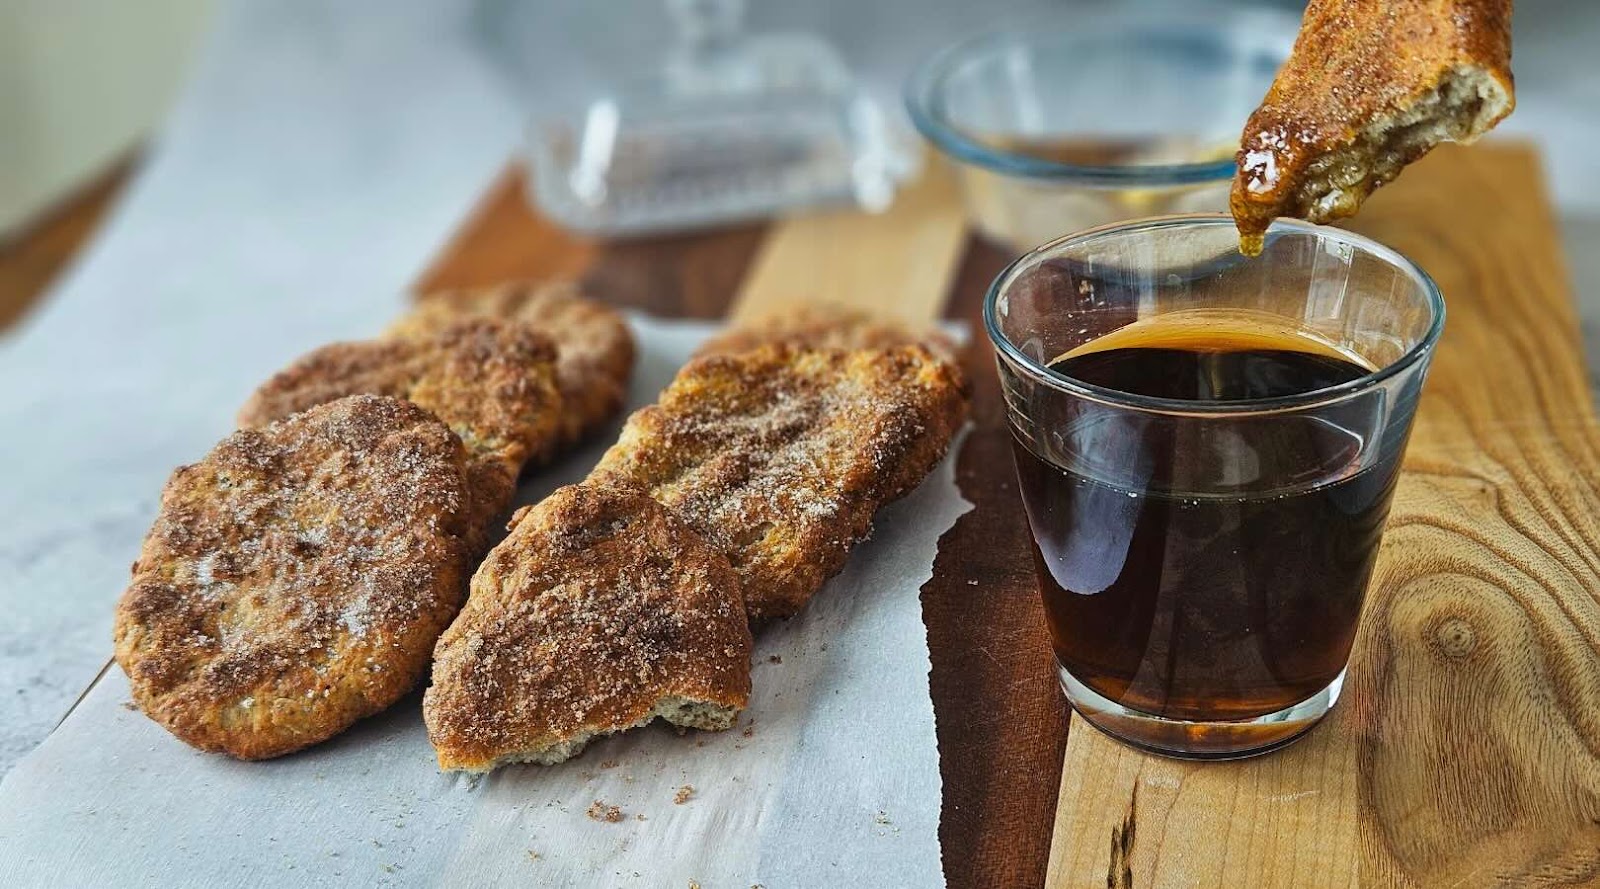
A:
1466	750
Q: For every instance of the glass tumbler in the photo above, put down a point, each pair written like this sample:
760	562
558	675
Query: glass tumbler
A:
1203	559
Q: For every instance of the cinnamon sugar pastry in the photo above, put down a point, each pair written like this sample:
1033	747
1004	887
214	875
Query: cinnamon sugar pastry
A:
780	457
825	326
1371	86
599	613
296	578
595	350
492	382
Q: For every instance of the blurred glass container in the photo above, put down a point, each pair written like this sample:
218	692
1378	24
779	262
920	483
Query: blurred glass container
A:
1123	115
728	126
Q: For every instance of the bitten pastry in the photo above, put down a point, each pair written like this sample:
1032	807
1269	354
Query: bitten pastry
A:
296	578
599	613
492	382
1371	86
780	457
595	350
825	326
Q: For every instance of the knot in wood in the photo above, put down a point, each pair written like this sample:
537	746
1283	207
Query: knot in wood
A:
1454	638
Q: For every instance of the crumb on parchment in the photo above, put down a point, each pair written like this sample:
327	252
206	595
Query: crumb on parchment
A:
684	794
599	811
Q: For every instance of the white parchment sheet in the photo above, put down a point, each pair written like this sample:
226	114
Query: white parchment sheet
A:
830	778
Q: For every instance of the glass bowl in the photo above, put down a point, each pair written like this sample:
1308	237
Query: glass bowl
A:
1063	127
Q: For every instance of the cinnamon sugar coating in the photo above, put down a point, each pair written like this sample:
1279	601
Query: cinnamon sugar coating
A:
595	350
297	576
492	382
1371	86
826	326
781	456
598	613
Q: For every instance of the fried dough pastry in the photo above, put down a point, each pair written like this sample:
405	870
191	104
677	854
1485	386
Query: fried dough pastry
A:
595	350
599	613
1371	86
781	456
825	326
297	577
492	382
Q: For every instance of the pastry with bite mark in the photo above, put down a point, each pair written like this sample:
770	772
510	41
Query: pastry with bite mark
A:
598	613
297	577
1371	86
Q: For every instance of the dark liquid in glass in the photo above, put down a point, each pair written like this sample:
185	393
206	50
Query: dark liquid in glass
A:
1213	606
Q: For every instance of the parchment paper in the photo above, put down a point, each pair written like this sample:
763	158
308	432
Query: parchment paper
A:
831	777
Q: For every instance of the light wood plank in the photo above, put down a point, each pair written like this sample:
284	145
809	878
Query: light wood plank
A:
898	263
1465	750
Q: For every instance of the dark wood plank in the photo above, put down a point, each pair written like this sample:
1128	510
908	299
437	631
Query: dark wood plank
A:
31	260
1002	721
693	275
676	276
505	240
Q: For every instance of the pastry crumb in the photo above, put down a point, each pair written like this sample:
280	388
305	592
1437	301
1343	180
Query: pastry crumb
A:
684	794
599	811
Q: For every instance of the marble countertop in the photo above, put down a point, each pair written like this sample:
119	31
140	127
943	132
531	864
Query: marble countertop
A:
318	157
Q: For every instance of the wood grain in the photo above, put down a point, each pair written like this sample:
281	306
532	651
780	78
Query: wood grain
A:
1464	752
504	240
898	263
693	275
1000	716
31	260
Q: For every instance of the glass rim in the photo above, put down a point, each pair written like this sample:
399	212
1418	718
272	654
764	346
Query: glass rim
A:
1008	351
921	99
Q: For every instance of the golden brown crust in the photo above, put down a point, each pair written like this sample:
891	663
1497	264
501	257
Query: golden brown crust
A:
595	350
1371	86
781	456
826	326
297	576
598	612
491	382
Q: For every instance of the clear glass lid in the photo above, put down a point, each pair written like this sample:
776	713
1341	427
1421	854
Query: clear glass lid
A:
726	126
